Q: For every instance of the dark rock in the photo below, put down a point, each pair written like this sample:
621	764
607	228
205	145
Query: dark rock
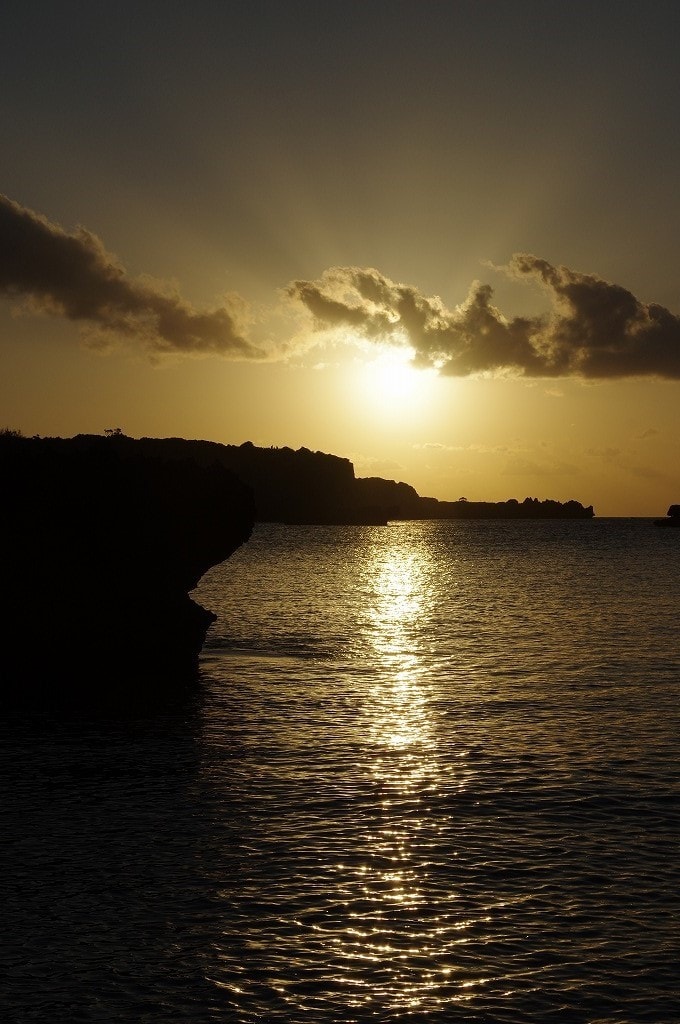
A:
288	486
101	543
672	517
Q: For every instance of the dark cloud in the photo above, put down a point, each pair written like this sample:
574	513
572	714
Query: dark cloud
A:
72	275
650	473
594	330
601	330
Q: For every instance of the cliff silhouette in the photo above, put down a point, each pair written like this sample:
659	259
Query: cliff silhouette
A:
312	487
104	537
101	543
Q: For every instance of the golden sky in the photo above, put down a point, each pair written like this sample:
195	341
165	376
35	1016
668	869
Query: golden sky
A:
436	238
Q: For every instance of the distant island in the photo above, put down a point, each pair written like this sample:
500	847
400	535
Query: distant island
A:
672	517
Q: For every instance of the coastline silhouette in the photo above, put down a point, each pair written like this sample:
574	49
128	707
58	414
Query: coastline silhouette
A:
306	487
105	536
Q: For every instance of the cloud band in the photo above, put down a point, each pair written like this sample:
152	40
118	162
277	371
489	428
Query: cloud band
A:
72	275
595	329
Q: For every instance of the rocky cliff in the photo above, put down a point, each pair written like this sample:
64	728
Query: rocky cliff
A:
312	487
101	544
288	486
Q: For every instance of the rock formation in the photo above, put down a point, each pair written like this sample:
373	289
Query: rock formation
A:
101	544
672	517
311	487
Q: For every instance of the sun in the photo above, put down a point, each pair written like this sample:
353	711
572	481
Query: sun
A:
391	384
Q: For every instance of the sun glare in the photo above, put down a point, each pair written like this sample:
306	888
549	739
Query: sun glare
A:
392	384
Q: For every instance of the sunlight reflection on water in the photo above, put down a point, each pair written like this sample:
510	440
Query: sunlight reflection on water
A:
440	806
432	775
401	750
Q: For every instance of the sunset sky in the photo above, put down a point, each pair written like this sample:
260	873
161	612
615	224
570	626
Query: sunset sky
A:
441	239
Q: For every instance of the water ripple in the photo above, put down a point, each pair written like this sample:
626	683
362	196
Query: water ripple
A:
433	776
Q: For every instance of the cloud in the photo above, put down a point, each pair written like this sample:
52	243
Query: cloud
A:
436	446
649	473
471	339
367	466
601	330
594	330
73	276
518	466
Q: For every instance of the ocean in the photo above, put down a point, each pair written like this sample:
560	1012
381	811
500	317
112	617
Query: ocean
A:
430	773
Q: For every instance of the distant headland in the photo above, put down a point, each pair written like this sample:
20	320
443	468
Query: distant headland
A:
305	487
672	517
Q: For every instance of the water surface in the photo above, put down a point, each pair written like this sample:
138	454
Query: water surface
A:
432	774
